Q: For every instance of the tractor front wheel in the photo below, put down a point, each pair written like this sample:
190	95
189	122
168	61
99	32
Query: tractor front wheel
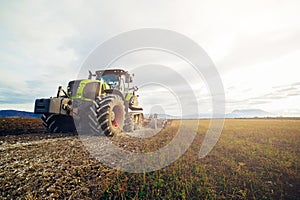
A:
55	123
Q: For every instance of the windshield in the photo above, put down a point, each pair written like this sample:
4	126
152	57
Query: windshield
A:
111	79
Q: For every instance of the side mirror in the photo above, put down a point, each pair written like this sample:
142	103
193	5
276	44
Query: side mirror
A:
91	75
128	79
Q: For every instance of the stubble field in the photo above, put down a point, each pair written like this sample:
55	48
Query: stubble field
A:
253	159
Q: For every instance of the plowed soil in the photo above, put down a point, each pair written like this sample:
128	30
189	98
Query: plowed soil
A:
253	159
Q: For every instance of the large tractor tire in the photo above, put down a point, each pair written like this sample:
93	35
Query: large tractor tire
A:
108	115
55	123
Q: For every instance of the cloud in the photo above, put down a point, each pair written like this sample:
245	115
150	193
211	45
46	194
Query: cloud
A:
261	48
277	93
43	45
298	83
11	96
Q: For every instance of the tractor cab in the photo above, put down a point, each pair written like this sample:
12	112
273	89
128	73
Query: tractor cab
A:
117	79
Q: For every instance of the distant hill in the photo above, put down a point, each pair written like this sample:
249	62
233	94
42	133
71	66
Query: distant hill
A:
17	114
249	113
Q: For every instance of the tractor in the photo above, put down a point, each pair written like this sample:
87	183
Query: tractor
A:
102	104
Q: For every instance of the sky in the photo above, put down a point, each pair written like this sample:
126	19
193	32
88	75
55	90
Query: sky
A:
255	46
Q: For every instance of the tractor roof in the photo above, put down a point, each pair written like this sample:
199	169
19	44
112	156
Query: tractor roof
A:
111	71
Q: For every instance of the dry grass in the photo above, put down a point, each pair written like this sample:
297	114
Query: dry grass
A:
254	159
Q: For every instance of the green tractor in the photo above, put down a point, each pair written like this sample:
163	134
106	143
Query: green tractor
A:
102	104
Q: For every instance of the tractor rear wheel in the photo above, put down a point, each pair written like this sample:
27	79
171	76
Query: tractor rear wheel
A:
55	123
108	115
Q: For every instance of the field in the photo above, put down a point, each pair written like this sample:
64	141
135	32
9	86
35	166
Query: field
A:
253	159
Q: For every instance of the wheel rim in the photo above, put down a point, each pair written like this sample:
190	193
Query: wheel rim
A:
116	119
